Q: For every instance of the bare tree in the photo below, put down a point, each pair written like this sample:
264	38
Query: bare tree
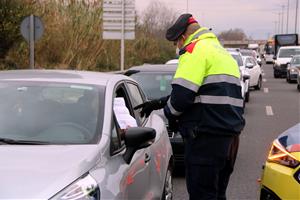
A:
157	18
233	34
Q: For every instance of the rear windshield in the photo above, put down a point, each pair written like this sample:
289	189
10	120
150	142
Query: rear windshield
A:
51	113
288	53
291	139
154	84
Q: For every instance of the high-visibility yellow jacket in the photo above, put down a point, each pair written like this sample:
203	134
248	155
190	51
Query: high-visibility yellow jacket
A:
206	90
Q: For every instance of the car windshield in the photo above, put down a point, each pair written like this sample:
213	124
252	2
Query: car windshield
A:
296	61
288	53
238	59
50	113
154	84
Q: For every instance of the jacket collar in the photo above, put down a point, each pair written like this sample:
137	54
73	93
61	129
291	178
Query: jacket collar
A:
201	33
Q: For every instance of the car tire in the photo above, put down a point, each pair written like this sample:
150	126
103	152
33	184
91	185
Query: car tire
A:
168	186
247	96
298	87
259	83
276	74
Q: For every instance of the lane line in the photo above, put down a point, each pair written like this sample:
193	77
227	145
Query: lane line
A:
269	111
266	90
264	80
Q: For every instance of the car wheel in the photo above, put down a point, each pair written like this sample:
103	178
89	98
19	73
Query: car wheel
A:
247	96
168	186
276	74
298	87
259	83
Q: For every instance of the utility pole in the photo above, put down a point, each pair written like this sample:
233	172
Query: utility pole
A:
296	17
279	14
282	18
287	17
275	30
187	6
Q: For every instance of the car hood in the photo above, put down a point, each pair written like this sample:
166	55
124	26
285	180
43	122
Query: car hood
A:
283	60
40	171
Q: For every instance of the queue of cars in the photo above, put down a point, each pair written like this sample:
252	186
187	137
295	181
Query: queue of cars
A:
60	138
286	64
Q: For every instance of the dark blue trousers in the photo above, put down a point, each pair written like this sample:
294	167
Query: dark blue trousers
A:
209	162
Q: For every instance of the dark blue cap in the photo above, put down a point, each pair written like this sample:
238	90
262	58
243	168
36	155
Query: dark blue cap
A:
180	26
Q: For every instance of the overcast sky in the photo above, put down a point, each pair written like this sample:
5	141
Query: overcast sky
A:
256	17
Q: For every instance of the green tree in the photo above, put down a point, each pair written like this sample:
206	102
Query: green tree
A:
11	14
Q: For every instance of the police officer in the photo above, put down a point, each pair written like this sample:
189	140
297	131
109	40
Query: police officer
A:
207	105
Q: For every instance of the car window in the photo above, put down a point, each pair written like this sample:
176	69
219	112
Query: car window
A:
53	113
123	117
117	140
137	99
155	84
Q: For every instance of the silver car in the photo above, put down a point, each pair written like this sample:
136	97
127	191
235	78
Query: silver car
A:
61	138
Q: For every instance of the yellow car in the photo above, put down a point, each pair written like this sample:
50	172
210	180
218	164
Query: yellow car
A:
281	172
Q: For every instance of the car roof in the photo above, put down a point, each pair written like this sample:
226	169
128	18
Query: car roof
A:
290	47
60	76
155	68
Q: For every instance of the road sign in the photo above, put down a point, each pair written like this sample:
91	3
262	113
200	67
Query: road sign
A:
38	28
118	15
119	22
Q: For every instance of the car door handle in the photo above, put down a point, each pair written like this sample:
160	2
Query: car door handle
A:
147	157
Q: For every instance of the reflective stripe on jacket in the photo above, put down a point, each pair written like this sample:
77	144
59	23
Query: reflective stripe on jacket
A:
206	87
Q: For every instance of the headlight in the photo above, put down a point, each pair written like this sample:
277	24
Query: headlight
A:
293	70
85	188
280	155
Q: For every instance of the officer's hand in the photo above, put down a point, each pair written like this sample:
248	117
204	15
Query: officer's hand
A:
149	106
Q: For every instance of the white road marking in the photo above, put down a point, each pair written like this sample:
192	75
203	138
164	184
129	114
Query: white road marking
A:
263	74
266	90
269	111
264	80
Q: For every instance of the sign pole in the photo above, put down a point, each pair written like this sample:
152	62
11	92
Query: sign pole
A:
122	36
31	42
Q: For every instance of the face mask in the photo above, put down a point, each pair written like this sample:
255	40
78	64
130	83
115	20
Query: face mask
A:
177	51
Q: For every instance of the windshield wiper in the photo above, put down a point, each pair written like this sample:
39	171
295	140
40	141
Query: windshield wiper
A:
24	142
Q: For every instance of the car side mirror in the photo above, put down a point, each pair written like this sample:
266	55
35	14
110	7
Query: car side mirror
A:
249	65
246	77
274	57
259	62
137	138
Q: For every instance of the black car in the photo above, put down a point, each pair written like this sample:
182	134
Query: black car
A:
156	80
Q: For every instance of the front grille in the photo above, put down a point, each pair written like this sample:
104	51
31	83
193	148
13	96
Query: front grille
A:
283	66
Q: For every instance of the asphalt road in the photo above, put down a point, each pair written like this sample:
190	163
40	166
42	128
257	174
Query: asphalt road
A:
261	129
